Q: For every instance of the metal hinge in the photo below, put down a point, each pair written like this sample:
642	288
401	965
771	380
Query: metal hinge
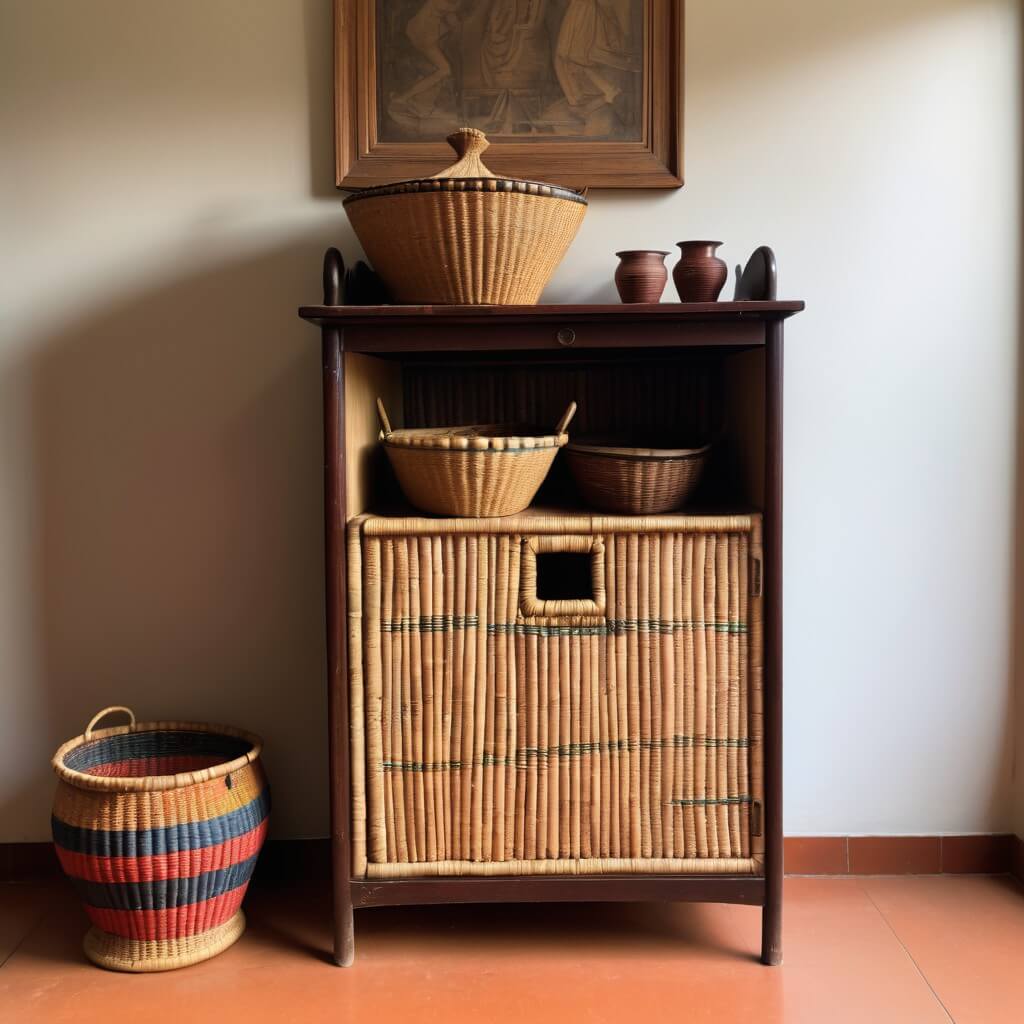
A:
756	576
755	818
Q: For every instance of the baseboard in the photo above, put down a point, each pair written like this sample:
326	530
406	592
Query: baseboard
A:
27	862
901	855
285	859
1017	858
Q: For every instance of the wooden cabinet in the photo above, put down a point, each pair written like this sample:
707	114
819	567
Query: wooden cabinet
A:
618	738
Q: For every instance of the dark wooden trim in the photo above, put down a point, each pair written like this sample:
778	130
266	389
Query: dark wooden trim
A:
771	925
28	862
614	313
1017	858
559	889
436	338
337	634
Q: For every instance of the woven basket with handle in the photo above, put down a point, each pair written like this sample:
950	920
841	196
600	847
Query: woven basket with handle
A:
466	236
635	481
158	825
480	471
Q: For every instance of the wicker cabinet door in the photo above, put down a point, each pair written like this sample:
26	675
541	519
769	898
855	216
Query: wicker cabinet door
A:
509	733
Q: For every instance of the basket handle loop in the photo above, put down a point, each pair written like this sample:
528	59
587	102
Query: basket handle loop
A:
382	415
566	419
103	714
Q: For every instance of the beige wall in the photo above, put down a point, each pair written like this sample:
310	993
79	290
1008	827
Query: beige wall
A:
167	198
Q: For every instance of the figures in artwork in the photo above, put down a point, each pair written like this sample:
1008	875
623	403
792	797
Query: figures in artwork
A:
592	56
515	48
511	67
426	30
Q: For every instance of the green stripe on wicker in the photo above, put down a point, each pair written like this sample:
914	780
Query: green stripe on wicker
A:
452	623
572	750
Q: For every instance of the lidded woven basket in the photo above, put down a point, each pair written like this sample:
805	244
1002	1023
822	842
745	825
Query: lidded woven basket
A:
158	826
466	236
480	471
618	477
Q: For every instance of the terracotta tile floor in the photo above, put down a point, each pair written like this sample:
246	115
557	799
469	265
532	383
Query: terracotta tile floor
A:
872	950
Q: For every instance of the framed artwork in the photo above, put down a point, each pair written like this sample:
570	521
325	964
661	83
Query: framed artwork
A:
585	93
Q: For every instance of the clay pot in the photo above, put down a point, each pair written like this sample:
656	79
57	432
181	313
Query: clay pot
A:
641	275
700	274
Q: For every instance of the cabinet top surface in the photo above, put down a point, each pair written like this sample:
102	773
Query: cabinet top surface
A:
659	312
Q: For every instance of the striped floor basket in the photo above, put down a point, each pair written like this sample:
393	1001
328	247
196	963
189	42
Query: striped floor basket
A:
158	825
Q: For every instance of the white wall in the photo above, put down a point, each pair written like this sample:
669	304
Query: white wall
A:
167	197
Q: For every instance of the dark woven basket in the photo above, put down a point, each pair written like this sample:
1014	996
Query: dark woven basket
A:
635	480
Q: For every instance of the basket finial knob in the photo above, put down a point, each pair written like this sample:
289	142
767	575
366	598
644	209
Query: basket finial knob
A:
469	144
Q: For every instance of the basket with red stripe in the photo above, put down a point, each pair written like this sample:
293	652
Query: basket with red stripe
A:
158	825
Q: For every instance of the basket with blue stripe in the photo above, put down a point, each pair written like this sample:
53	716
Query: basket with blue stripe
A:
158	825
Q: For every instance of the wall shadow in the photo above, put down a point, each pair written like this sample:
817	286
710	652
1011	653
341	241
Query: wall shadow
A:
1016	724
177	460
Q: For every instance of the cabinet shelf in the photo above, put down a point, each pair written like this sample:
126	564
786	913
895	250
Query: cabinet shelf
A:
641	312
566	329
570	510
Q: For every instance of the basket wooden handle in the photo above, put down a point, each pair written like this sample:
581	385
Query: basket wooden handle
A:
566	419
103	714
385	423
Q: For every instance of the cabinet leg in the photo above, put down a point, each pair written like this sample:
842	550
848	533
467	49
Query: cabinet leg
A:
344	936
771	931
771	922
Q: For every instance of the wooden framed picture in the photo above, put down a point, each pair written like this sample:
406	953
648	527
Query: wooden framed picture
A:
585	93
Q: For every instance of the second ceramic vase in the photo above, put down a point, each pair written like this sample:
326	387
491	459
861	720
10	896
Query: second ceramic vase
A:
641	275
700	274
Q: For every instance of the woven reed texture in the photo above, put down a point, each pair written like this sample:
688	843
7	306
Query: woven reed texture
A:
541	524
634	483
503	743
470	239
547	612
161	862
357	723
471	471
250	748
133	956
564	866
470	483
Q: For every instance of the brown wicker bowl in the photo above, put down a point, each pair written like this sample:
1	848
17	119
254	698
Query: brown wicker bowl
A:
466	236
479	471
618	477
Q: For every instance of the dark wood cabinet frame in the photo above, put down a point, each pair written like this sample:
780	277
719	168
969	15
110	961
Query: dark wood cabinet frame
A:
444	329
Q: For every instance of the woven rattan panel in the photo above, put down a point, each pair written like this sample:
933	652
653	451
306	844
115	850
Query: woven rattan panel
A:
495	733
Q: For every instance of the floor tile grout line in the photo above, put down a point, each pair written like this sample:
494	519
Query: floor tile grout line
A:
910	956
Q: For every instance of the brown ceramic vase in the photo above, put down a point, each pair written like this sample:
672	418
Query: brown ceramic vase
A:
700	274
641	275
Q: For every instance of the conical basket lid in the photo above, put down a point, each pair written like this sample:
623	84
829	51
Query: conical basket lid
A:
469	174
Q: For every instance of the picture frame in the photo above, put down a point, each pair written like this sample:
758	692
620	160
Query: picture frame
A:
582	93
